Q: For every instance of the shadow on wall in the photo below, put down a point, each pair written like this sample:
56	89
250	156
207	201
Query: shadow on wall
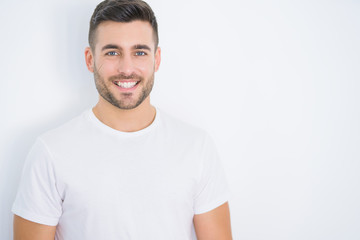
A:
70	39
69	29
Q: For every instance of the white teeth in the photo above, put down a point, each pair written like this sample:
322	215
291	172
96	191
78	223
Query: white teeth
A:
126	84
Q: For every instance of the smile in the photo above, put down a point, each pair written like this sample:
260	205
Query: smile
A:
126	85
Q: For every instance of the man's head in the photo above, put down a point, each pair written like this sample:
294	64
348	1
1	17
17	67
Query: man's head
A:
123	52
122	11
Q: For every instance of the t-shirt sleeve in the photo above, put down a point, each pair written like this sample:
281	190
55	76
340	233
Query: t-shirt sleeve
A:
37	199
212	190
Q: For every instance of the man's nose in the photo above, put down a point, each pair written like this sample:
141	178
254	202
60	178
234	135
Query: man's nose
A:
126	65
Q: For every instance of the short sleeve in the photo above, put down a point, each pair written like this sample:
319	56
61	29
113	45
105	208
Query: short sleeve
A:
212	190
37	199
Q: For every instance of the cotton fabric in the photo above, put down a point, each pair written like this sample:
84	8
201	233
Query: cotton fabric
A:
94	182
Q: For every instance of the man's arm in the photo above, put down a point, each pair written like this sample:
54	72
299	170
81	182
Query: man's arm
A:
214	225
27	230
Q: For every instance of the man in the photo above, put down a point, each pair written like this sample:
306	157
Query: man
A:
124	169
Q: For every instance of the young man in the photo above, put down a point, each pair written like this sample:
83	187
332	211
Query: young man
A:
124	169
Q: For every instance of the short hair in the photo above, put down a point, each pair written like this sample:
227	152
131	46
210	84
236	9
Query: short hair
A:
122	11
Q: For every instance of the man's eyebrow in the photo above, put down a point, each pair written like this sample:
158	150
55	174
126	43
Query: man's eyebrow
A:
114	46
142	46
110	46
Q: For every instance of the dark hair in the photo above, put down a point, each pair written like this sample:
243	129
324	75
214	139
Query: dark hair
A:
122	11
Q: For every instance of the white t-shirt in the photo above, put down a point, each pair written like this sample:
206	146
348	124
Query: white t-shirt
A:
95	182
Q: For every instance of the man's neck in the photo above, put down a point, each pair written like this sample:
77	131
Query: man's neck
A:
131	120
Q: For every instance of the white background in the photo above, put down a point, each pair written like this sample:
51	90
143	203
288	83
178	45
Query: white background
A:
276	83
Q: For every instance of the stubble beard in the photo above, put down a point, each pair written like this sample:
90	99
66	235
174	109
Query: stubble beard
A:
126	102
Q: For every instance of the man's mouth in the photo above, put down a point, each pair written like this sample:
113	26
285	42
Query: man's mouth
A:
127	84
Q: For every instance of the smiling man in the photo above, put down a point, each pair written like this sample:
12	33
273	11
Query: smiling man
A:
123	169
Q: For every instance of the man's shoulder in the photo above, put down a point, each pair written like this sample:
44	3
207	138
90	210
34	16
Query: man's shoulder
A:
68	130
176	126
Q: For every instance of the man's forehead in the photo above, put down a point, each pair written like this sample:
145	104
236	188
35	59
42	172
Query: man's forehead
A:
110	31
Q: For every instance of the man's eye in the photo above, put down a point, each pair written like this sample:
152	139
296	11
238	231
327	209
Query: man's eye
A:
140	53
112	53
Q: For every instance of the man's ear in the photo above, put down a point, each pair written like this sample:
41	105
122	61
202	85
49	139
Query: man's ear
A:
89	59
157	58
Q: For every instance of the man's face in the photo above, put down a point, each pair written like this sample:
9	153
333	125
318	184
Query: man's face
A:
124	61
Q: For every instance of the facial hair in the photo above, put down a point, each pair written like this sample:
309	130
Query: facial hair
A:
124	100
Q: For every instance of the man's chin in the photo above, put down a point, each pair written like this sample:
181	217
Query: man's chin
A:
126	106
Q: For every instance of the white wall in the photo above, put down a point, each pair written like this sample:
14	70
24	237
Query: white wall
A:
276	83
